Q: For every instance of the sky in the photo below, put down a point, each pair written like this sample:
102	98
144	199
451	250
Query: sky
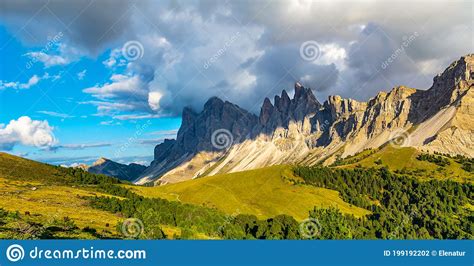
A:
81	80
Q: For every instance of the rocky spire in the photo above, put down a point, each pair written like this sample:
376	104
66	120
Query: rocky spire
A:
266	111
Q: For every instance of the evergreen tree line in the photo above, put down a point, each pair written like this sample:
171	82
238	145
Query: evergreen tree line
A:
192	219
436	159
78	176
467	164
402	207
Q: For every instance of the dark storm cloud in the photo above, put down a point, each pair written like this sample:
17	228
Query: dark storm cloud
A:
90	25
243	51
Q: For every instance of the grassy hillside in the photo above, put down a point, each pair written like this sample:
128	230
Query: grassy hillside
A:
39	193
38	200
405	160
265	192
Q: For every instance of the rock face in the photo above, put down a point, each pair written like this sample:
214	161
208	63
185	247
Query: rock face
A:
195	136
121	171
302	130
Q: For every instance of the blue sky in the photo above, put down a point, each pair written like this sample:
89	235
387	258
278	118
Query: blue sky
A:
85	79
80	134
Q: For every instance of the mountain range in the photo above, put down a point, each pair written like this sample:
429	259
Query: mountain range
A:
108	167
225	138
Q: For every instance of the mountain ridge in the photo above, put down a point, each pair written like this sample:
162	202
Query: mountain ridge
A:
302	130
108	167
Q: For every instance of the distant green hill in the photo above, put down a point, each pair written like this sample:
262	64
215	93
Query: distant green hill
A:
42	193
264	192
404	160
42	201
35	196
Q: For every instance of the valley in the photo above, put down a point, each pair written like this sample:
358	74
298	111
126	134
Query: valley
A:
398	166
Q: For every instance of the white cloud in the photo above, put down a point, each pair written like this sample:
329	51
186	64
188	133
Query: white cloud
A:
17	85
122	93
31	82
332	53
55	114
49	60
65	55
178	38
115	59
110	123
136	116
154	98
81	146
27	132
120	84
82	74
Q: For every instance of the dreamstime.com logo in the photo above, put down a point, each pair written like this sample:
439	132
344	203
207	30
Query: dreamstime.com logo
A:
222	139
310	228
132	228
310	51
15	253
133	50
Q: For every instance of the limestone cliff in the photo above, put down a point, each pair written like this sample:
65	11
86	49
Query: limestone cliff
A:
302	130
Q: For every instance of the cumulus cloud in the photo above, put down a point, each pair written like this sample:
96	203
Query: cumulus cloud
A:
18	85
63	56
122	93
243	51
27	132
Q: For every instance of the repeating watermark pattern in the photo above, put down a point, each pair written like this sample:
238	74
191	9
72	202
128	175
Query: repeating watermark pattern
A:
407	41
132	228
52	42
229	220
310	51
324	125
310	228
407	219
399	138
221	51
222	139
133	50
140	130
15	253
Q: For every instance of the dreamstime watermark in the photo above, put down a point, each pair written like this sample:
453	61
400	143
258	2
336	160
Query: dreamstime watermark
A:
407	40
310	228
222	139
324	126
399	138
52	42
407	219
133	50
229	220
132	228
221	51
140	130
15	253
310	51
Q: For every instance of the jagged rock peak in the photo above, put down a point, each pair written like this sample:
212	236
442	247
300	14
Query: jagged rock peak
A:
213	102
100	161
266	110
459	70
302	92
